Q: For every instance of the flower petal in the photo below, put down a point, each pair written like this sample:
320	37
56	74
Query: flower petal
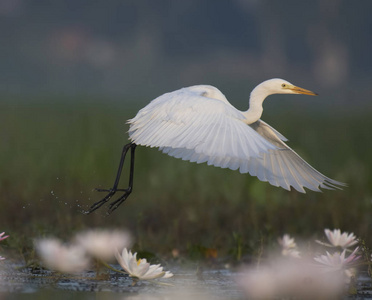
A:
122	262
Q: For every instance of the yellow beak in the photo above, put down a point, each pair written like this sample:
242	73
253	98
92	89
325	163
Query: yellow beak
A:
299	90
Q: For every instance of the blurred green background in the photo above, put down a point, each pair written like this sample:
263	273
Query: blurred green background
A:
73	72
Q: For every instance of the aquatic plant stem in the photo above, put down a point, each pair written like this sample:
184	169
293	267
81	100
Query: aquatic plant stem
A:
112	268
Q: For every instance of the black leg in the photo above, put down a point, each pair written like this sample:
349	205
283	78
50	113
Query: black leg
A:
114	205
115	189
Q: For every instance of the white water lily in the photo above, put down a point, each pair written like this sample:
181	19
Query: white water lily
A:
338	239
62	258
337	261
103	244
140	268
289	246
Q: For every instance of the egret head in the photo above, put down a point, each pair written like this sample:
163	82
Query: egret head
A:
281	86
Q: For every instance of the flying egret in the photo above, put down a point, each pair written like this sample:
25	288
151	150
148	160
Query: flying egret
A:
198	124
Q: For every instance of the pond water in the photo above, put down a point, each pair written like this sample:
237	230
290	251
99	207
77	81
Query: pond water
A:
42	284
186	284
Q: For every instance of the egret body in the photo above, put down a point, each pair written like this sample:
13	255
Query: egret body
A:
198	124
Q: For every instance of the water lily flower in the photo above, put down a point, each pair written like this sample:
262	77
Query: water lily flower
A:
337	261
259	284
140	268
103	244
338	239
289	246
2	237
286	279
62	258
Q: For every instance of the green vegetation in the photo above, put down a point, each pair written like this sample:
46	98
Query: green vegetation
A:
54	153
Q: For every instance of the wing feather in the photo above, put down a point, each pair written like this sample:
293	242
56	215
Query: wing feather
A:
287	168
187	125
282	180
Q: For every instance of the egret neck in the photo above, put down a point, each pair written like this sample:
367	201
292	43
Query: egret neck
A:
256	99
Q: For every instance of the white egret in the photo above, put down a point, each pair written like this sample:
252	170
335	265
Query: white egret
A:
198	124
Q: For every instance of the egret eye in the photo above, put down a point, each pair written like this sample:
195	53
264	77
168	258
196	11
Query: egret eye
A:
284	85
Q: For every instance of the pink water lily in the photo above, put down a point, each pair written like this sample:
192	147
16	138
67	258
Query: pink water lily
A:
289	279
140	268
338	239
337	261
2	237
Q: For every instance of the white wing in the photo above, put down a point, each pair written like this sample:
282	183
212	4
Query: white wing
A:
284	167
198	124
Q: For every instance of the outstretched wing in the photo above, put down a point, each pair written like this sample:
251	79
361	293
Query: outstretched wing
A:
198	124
284	167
